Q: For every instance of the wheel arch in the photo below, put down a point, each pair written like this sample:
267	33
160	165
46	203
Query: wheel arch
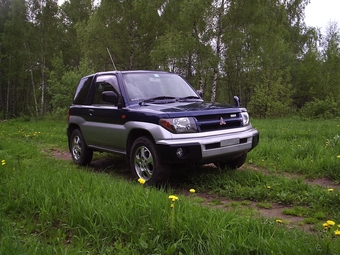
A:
133	135
70	129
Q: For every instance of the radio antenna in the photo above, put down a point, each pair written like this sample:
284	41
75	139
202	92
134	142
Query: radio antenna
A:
113	63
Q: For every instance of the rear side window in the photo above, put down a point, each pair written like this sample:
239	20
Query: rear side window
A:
81	95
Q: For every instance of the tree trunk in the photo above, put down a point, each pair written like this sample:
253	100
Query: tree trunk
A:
8	86
34	95
219	32
33	85
201	83
7	99
43	87
214	86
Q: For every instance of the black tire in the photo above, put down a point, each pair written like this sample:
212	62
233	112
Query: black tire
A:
233	164
146	163
81	154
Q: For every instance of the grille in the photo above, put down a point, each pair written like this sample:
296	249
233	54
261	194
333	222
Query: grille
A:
213	122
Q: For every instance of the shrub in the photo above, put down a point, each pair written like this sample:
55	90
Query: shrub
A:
321	109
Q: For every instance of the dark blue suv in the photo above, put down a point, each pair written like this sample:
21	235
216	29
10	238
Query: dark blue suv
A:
157	120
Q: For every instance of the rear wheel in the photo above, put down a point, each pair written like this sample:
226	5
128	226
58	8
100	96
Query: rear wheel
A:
233	164
146	163
81	154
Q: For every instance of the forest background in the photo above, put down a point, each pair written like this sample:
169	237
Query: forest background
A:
260	50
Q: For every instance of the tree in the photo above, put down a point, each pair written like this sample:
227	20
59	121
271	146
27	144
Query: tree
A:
44	42
271	53
74	16
307	73
330	85
5	8
184	47
128	28
13	57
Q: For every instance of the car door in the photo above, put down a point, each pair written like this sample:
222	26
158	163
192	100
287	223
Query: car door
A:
105	124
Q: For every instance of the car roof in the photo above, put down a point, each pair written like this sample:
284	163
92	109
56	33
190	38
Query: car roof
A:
128	71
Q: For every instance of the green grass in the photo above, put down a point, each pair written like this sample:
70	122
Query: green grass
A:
309	148
51	206
264	205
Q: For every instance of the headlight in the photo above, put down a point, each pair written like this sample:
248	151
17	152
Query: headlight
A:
180	125
245	118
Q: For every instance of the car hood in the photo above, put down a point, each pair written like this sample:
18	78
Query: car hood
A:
188	108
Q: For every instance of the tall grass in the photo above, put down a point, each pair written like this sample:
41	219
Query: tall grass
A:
50	206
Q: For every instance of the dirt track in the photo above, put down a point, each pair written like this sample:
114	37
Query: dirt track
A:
275	212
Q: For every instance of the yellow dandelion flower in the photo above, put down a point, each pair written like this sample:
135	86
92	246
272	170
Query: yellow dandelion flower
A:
172	205
141	181
330	223
192	191
337	232
279	221
3	162
325	225
330	189
338	156
173	198
268	187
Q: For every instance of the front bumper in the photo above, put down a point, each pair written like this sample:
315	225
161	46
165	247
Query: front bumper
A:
222	147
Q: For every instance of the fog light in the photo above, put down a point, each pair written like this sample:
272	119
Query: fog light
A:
180	153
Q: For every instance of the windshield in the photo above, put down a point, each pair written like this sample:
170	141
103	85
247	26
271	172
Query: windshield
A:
144	86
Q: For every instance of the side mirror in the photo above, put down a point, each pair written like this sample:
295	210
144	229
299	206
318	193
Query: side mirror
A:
200	93
110	97
236	101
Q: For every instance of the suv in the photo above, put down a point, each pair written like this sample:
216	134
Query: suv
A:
157	120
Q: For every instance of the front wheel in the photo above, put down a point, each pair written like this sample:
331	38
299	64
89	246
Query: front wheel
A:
146	163
81	154
233	164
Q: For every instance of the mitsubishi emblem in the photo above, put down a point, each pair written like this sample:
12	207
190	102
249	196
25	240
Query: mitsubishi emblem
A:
222	122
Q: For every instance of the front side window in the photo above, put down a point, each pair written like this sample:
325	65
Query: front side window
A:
105	83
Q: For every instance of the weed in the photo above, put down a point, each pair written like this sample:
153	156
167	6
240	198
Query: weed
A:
234	204
296	211
310	220
245	203
215	202
264	205
320	215
199	200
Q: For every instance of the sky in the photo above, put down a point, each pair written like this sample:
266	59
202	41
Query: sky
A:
320	12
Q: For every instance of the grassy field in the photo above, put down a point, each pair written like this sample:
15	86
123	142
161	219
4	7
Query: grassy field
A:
51	206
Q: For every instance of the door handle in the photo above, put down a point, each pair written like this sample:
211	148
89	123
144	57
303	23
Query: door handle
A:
91	111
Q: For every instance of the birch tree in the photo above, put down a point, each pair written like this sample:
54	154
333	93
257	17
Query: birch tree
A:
45	38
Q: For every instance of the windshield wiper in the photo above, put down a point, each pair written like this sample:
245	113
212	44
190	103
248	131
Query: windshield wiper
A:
188	97
153	99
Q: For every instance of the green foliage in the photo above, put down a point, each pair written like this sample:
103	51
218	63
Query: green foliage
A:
258	50
63	83
321	109
272	98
